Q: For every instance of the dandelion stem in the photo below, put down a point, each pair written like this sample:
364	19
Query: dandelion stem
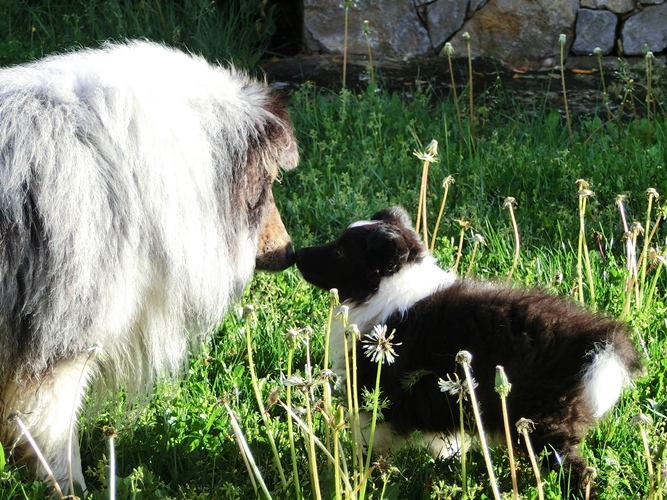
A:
651	194
466	37
251	465
72	417
38	453
111	480
314	476
464	452
290	428
523	426
503	387
561	41
463	358
347	9
449	50
446	183
371	437
367	32
248	314
309	431
509	204
605	96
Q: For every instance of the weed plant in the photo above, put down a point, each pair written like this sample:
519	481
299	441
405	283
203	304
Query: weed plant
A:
207	436
237	30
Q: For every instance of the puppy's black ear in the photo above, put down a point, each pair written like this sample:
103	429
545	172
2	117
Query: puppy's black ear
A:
394	215
386	249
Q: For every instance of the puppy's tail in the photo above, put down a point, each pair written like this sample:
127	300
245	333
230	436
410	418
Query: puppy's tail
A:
612	368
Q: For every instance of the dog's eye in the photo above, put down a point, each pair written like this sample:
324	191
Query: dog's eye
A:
338	252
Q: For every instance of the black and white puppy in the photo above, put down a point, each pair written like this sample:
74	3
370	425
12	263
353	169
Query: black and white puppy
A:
567	366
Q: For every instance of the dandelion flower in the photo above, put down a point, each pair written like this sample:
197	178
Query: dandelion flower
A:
378	346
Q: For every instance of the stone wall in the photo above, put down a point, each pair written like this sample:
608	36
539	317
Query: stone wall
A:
519	33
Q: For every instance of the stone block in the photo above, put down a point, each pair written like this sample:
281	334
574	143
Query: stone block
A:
615	6
520	33
443	19
396	30
647	27
594	28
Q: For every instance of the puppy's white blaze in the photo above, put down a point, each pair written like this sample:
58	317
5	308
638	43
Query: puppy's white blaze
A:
604	379
361	223
397	293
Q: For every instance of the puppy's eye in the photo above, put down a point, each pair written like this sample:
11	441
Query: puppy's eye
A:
338	252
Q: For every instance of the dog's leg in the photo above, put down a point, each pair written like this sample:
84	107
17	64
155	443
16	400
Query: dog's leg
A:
47	406
563	447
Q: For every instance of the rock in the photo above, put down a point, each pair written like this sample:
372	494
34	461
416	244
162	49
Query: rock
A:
594	28
647	27
519	33
475	5
651	2
615	6
443	19
396	30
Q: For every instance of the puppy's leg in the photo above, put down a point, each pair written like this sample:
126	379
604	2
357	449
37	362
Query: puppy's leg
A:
563	446
385	438
46	406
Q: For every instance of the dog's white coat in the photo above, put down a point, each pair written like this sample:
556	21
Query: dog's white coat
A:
126	154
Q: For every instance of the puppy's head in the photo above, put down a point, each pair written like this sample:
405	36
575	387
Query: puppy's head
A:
365	253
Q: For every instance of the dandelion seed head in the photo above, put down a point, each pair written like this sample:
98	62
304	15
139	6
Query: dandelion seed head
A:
463	224
352	331
478	238
509	202
636	228
333	293
525	425
590	473
342	313
249	314
463	358
293	337
582	184
597	51
652	193
641	419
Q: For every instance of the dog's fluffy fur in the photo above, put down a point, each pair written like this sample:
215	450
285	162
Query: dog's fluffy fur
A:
567	366
135	202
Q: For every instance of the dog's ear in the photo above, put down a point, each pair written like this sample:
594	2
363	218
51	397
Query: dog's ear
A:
394	215
386	249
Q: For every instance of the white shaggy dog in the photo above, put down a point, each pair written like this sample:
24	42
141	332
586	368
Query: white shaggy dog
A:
135	202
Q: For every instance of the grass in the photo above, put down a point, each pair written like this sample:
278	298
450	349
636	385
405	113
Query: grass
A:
357	157
237	31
